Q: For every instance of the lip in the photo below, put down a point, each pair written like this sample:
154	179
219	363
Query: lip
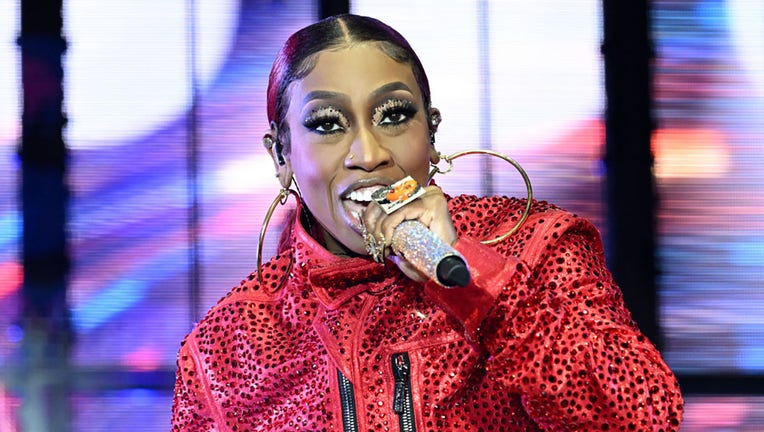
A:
364	183
353	209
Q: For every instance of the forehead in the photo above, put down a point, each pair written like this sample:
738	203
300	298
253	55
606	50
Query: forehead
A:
354	71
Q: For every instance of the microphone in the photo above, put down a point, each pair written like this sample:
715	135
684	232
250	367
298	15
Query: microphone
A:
416	244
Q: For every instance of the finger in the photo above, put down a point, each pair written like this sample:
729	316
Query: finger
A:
427	209
413	211
438	217
370	217
373	239
409	270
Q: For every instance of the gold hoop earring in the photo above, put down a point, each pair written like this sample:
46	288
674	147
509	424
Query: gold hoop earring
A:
450	159
281	199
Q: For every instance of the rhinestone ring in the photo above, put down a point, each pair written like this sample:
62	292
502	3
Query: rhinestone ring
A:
375	247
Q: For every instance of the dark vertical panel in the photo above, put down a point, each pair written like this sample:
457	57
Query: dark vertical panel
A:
327	8
631	194
44	199
193	126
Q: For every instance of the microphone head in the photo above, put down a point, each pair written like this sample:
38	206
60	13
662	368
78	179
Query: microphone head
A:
453	271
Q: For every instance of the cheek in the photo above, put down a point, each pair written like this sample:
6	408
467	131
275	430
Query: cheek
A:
415	160
314	171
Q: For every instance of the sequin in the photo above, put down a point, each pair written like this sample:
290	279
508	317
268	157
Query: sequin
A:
540	340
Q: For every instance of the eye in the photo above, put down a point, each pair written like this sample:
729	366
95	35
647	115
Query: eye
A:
324	126
394	118
326	121
394	112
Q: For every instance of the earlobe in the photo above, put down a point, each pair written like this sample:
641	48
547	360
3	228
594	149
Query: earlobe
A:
285	174
434	156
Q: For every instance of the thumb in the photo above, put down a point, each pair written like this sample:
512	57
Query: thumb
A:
408	269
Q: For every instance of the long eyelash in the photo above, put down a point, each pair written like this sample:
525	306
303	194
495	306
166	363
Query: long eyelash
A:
323	115
391	106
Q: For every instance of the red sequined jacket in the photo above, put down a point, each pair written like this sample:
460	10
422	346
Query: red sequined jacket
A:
540	340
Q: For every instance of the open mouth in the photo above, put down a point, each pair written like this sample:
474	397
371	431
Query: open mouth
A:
355	203
362	195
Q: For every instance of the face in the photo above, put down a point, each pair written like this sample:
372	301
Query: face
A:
357	122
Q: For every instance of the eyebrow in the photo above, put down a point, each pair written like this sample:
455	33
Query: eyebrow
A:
323	94
326	94
396	85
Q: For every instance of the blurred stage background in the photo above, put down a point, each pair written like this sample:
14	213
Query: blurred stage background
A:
154	89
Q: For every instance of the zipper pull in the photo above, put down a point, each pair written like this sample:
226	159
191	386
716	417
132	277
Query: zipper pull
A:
401	375
398	396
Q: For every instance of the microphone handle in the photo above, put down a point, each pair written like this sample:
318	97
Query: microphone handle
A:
416	244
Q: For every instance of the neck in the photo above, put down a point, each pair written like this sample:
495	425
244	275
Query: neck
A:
322	236
331	244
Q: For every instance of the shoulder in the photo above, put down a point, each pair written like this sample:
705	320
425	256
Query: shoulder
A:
486	218
246	302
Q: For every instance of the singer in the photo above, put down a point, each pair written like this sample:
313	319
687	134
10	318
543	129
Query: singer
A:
324	337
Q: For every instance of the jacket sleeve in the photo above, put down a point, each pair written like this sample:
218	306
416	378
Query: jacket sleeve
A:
191	410
558	333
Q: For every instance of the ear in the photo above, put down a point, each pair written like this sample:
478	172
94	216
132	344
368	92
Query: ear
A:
434	119
281	163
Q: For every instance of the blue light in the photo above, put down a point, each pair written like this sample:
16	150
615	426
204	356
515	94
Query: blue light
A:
14	333
10	228
104	304
127	292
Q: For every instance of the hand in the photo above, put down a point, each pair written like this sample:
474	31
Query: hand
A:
431	209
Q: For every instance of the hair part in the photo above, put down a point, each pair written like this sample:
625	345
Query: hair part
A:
299	55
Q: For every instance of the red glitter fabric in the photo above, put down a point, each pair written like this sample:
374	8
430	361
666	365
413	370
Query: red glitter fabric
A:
540	339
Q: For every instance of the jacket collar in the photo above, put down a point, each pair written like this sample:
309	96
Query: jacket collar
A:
335	279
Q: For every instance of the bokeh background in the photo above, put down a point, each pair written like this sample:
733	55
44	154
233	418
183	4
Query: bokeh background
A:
169	182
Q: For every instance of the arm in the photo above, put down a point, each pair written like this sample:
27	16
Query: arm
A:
559	334
191	411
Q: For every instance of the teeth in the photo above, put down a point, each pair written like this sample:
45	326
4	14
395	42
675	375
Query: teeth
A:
361	195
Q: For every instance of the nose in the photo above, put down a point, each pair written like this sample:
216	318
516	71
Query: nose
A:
366	152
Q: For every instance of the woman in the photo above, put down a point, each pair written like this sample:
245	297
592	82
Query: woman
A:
330	339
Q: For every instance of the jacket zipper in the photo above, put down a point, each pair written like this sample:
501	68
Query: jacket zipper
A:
403	403
347	400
